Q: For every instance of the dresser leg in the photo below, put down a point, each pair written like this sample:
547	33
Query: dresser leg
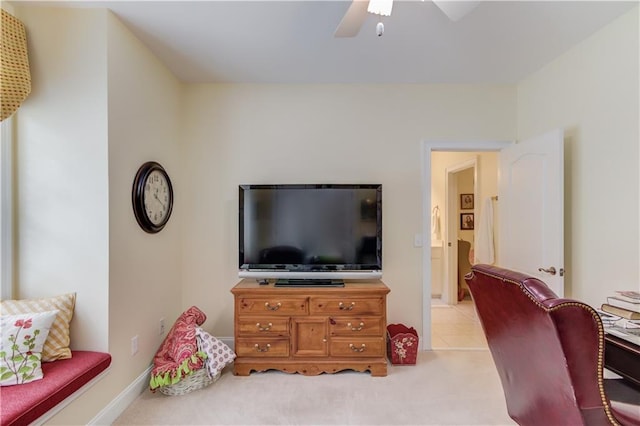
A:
241	370
379	370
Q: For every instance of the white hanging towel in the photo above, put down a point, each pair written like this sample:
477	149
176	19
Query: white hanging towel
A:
435	224
484	247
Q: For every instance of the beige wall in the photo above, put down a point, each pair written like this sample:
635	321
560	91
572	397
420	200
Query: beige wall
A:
592	92
101	105
465	186
144	269
239	134
487	164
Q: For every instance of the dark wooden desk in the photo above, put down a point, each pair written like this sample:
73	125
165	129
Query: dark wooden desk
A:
622	357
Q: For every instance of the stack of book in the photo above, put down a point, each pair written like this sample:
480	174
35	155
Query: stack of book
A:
621	315
625	304
628	331
608	320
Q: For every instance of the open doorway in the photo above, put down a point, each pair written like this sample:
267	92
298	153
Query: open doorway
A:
461	195
523	198
464	179
454	191
442	189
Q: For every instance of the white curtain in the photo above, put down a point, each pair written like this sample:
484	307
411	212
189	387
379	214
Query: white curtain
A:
484	246
435	224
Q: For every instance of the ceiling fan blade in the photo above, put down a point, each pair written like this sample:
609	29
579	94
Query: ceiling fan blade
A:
455	10
352	19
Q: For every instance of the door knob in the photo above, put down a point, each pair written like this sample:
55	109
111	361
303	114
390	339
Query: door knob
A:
551	270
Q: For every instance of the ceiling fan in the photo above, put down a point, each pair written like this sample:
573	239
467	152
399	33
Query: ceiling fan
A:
357	13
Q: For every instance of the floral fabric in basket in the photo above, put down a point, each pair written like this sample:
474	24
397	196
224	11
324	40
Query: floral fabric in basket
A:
178	355
219	355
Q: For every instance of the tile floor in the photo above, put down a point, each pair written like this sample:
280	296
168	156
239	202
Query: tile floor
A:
456	327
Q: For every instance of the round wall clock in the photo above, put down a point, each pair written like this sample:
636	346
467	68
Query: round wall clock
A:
152	197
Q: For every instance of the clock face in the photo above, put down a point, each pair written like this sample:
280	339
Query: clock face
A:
152	197
156	197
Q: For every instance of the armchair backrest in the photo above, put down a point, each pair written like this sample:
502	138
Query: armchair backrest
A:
549	352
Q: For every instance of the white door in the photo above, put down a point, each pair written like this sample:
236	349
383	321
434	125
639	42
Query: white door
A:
531	208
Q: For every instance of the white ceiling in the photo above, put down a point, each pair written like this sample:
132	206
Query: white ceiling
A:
292	41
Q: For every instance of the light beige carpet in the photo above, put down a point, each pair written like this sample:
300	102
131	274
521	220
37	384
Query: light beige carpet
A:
444	388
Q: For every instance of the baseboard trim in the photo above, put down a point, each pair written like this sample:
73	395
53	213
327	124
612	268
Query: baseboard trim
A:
110	413
229	341
115	408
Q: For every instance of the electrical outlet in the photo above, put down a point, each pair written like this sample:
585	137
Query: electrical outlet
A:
161	326
134	345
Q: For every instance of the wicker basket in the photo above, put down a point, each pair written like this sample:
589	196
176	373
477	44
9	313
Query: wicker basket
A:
198	380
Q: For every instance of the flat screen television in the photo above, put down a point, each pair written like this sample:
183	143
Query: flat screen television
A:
314	232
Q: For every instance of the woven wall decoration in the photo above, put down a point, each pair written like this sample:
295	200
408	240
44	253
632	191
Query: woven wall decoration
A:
15	79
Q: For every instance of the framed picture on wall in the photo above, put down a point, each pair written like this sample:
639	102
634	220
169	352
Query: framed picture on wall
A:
466	201
466	221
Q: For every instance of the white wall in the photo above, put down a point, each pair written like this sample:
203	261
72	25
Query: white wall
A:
62	176
592	92
101	106
239	134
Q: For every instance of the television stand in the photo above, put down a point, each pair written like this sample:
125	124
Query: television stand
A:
301	282
311	330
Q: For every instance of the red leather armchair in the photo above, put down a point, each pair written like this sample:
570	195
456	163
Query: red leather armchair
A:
549	352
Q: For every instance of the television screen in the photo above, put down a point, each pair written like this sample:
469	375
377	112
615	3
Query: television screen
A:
310	230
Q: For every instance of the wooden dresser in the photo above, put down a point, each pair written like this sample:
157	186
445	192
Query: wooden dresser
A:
310	330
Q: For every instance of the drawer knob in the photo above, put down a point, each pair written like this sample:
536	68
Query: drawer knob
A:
346	308
360	349
264	328
272	308
259	349
358	328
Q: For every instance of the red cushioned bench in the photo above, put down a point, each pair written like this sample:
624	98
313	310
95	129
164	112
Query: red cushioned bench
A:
23	404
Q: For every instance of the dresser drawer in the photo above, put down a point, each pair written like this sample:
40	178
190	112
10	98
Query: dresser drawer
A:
347	306
262	347
310	330
273	306
356	326
263	326
357	347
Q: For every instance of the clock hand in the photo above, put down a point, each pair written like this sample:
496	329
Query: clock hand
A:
156	197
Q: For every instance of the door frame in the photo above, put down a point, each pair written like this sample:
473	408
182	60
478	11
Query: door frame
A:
427	148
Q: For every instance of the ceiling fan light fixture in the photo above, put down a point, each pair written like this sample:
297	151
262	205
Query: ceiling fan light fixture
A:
380	7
